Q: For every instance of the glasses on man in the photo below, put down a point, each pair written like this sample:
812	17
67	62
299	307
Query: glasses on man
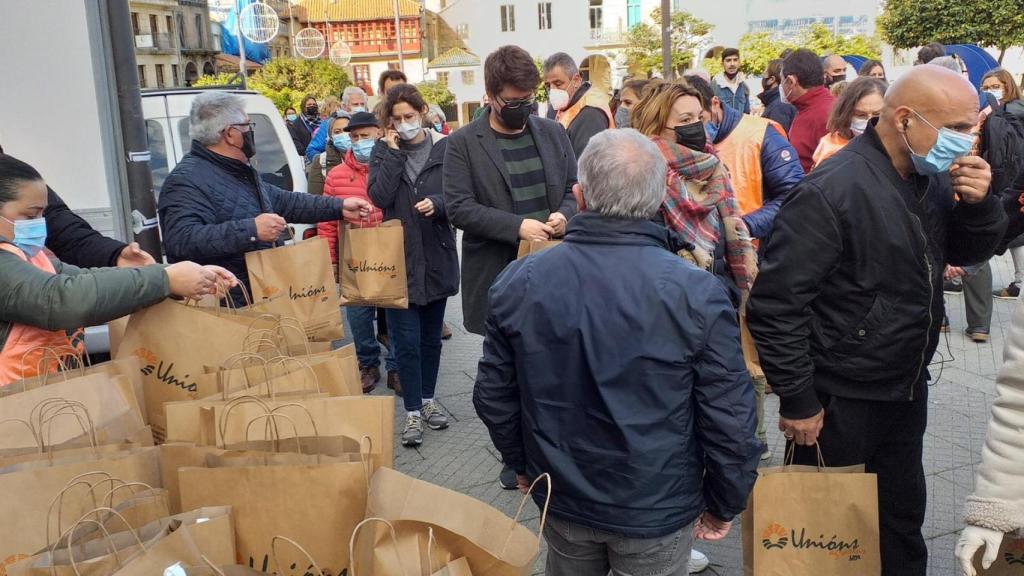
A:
250	125
515	104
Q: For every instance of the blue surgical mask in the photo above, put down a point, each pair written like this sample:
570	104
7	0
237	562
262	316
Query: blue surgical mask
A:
29	235
438	126
363	148
292	117
949	146
358	109
342	141
712	131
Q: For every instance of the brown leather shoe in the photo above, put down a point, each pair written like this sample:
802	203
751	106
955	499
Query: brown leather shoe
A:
369	377
394	383
446	332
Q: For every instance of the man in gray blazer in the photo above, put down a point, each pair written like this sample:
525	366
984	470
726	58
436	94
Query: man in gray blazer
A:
508	176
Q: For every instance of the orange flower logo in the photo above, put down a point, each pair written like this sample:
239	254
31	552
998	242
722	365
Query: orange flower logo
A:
144	354
270	291
774	537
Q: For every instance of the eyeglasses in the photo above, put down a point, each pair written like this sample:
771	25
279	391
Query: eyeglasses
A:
250	125
514	104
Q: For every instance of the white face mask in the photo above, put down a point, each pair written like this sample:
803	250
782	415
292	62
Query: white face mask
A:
996	93
783	97
559	99
408	131
858	126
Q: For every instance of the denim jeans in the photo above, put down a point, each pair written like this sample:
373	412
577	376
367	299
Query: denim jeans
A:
361	323
578	550
415	335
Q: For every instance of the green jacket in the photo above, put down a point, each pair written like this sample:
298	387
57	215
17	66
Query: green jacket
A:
74	297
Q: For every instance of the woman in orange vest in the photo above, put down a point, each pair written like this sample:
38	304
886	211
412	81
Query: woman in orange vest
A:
861	101
44	303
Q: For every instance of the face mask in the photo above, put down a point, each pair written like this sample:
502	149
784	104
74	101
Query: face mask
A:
836	79
29	235
858	126
558	99
363	148
949	146
342	142
515	119
358	109
438	127
691	136
712	130
408	131
312	112
996	93
292	117
622	117
783	96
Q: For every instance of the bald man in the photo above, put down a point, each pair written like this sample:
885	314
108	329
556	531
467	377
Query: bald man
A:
835	69
847	306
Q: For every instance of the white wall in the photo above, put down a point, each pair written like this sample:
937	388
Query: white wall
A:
53	117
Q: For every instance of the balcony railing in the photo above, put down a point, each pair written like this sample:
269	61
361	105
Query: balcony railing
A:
605	36
159	42
192	42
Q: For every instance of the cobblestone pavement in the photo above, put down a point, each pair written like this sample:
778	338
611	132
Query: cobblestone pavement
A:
462	458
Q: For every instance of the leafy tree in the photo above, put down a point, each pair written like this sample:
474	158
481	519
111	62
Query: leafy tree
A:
435	92
758	49
643	41
540	93
989	23
220	79
285	81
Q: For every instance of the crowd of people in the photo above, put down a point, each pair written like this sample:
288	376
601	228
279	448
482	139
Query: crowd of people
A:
707	254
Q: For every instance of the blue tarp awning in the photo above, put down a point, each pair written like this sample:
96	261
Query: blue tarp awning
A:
978	61
229	41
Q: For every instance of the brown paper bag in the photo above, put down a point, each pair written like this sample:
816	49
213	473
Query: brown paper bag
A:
459	567
749	349
298	281
380	547
25	496
201	533
173	343
527	247
1009	561
317	505
372	266
177	455
491	542
807	521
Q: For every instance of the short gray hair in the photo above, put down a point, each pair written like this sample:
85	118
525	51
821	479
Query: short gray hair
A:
622	174
563	61
347	94
435	109
211	113
947	62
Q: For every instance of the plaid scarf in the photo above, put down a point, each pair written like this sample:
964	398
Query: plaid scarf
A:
699	204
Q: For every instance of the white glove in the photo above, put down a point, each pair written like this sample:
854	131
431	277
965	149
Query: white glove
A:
973	538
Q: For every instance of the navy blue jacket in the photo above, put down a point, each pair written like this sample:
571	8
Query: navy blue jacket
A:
615	366
208	205
431	259
776	109
780	172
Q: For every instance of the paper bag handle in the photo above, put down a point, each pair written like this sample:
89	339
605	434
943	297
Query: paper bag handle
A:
88	428
544	513
210	565
302	364
109	496
292	323
110	547
264	336
26	424
352	545
273	553
53	351
232	363
85	519
222	423
791	454
277	438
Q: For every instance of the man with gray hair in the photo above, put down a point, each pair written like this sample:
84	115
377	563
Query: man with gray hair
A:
214	207
579	108
615	366
353	100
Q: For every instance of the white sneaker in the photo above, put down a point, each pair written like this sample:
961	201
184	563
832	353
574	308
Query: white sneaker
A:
698	562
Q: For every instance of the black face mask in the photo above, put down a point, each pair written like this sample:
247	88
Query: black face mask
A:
836	79
312	112
692	136
248	144
515	119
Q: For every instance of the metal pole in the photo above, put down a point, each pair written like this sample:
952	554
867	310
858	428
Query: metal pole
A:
241	43
398	39
291	29
141	199
666	40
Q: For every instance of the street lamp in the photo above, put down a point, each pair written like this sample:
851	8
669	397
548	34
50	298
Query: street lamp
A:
398	38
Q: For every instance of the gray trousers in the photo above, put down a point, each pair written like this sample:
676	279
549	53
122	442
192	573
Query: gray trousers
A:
978	298
577	550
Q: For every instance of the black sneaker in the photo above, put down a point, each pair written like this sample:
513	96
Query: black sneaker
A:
1011	292
953	287
507	479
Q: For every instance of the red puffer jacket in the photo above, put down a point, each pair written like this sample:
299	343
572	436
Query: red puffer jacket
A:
347	180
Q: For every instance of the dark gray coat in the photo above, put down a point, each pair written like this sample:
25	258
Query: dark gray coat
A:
477	192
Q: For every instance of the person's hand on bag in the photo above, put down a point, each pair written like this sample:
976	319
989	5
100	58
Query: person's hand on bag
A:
225	280
356	208
803	432
557	223
190	280
973	538
134	257
532	229
425	207
953	272
391	138
971	177
710	528
269	227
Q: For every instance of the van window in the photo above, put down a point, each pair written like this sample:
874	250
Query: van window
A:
158	153
270	159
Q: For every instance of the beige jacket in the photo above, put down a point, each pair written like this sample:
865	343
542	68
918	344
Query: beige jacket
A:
998	499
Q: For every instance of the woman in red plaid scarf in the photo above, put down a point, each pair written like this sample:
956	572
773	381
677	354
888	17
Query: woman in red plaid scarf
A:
699	201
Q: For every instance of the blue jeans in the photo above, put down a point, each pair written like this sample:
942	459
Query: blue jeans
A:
416	337
362	323
578	550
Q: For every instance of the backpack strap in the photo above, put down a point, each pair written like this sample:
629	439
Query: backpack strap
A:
323	164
